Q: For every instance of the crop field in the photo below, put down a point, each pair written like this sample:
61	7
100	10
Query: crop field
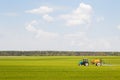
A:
57	68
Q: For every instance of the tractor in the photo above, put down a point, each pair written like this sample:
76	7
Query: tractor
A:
97	62
84	62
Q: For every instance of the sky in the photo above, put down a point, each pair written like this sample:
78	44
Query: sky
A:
60	25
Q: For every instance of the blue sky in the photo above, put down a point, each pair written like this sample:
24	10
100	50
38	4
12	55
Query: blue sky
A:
72	25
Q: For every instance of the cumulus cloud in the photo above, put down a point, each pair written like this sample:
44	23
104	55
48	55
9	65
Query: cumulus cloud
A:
39	32
74	41
41	10
81	15
45	34
76	36
30	27
83	42
48	18
13	14
118	27
100	19
100	44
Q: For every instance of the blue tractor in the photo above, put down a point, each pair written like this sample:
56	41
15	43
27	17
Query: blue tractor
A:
84	62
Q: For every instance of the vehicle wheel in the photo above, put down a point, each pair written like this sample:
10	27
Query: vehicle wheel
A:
98	64
86	64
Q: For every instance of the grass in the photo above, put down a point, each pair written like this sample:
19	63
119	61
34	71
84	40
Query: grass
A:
57	68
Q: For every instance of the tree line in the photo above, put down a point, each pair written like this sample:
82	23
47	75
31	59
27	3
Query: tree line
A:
57	53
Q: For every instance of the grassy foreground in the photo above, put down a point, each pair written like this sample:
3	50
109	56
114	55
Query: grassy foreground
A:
57	68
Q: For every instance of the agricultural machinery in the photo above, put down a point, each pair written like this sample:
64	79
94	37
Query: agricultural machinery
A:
97	62
84	62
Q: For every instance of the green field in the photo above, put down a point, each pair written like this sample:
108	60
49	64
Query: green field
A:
57	68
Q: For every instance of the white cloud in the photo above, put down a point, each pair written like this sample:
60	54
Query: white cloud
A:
77	39
42	10
118	27
76	36
13	14
83	42
48	18
46	35
73	41
30	27
100	44
100	19
81	15
39	32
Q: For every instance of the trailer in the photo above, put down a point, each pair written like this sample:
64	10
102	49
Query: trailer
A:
97	62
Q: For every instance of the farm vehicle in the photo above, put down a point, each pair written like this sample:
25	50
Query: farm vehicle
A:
85	62
97	62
